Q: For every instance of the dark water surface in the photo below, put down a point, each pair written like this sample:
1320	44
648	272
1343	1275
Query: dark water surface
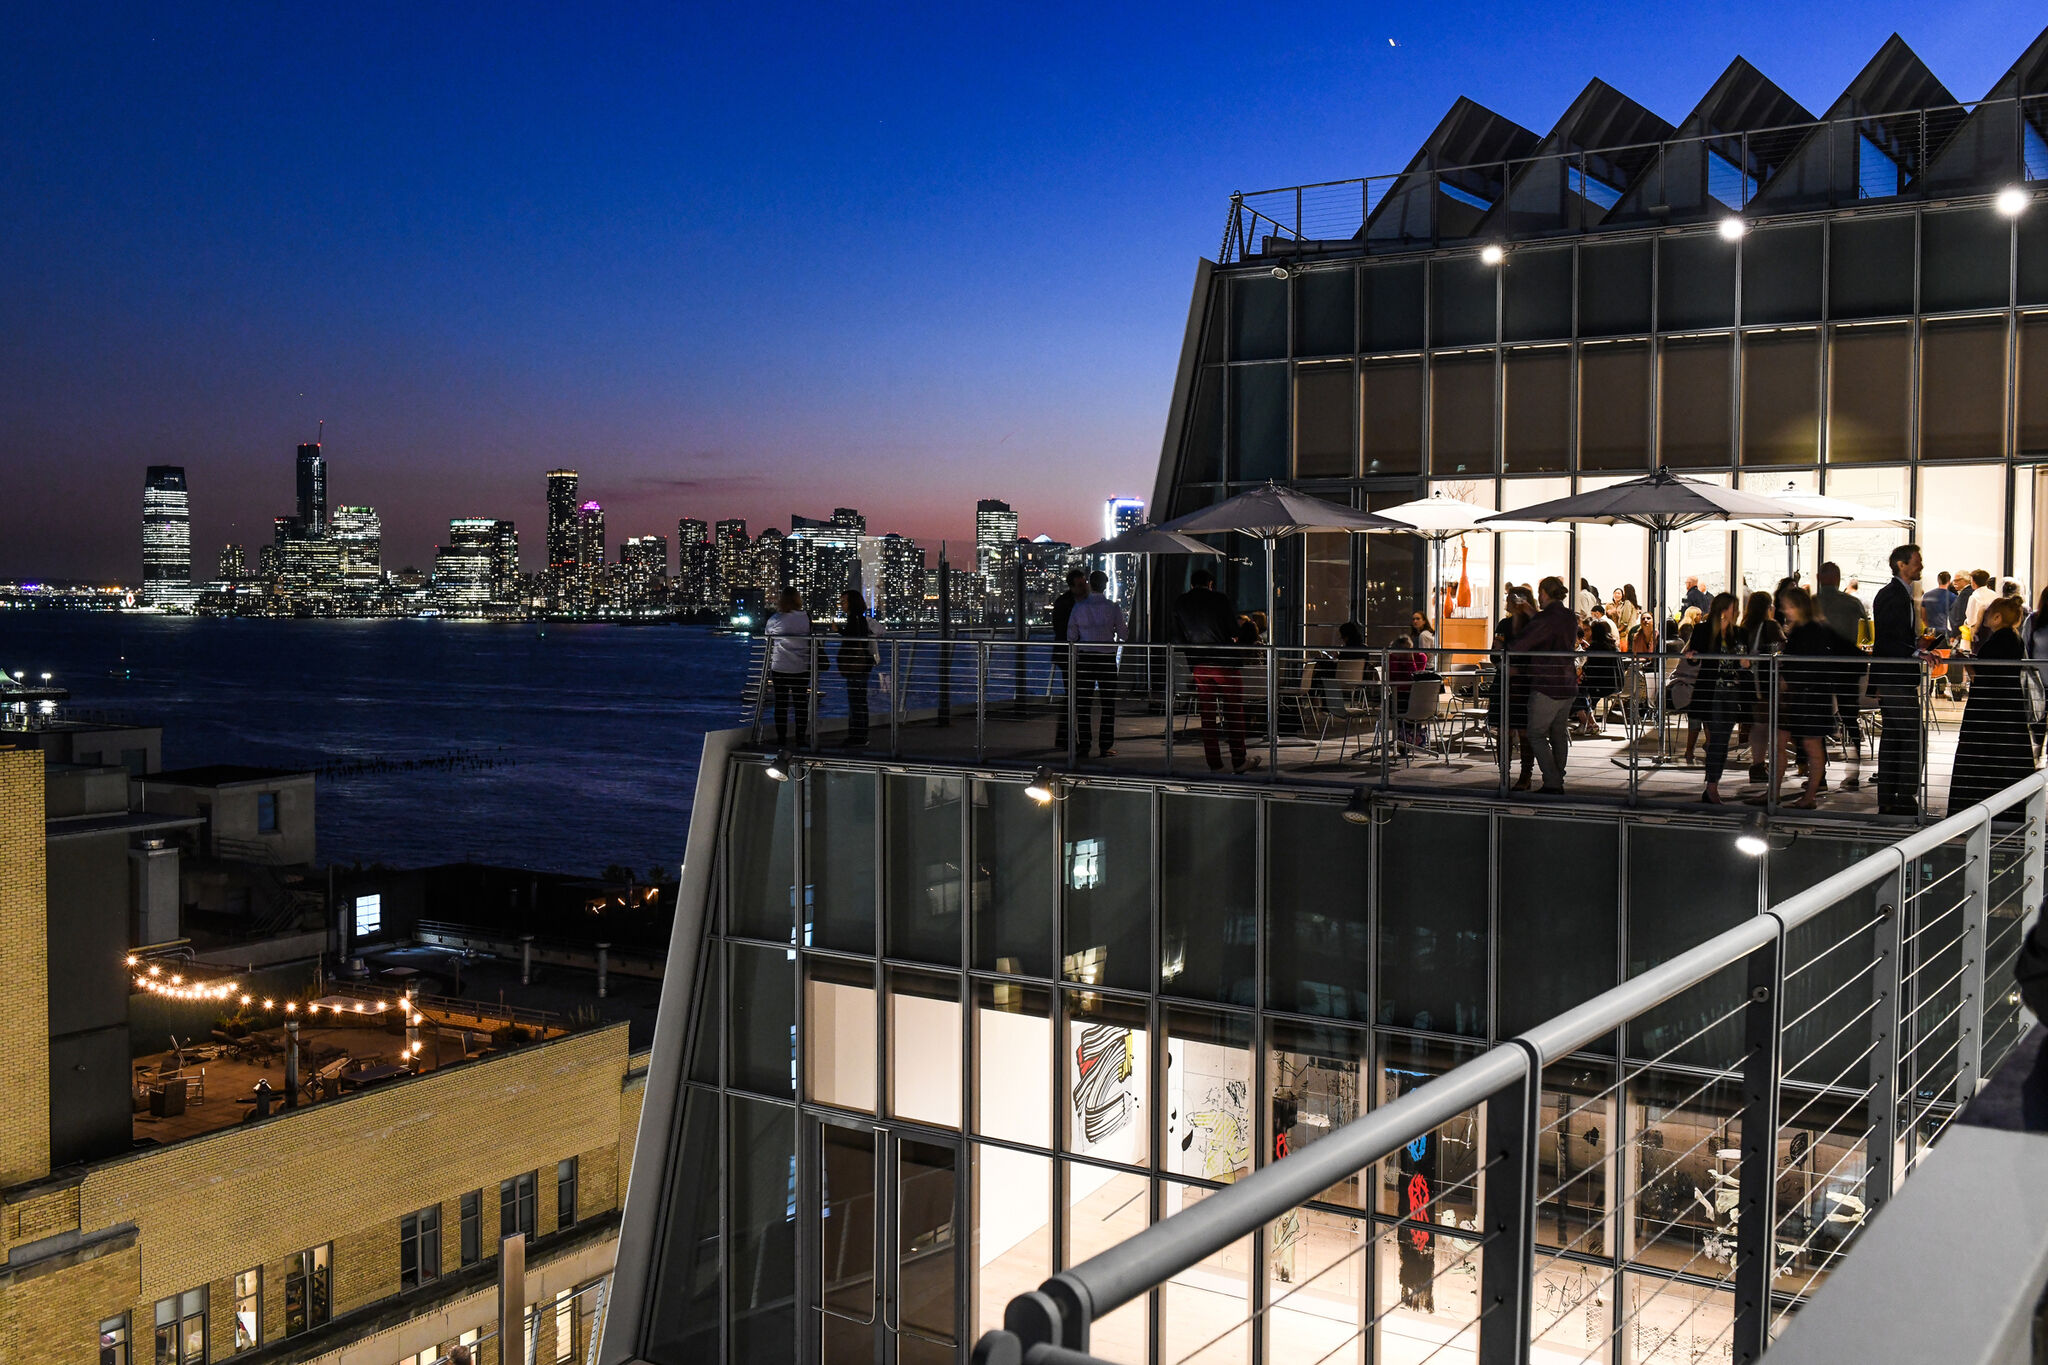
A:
596	728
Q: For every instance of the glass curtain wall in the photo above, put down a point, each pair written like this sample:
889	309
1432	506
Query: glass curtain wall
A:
1164	991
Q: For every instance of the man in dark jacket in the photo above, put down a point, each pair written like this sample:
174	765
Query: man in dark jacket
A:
1896	676
1554	680
1697	596
1205	621
1062	609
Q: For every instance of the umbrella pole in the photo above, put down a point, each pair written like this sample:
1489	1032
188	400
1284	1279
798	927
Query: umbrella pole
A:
1662	569
1791	554
1272	669
1436	586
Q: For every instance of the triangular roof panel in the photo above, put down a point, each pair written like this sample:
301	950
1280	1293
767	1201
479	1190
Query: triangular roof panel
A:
1872	145
1986	148
1451	181
1581	168
1708	167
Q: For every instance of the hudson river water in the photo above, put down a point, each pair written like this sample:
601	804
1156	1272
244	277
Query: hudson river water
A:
596	728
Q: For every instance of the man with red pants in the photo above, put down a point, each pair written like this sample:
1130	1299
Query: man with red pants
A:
1205	621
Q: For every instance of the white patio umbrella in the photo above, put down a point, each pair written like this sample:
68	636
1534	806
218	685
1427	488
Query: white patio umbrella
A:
1145	541
1806	513
1660	503
1440	519
1271	512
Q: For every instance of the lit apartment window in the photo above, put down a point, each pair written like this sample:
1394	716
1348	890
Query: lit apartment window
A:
114	1341
369	915
565	1326
249	1309
419	1248
308	1289
266	812
181	1328
565	1193
472	1227
516	1208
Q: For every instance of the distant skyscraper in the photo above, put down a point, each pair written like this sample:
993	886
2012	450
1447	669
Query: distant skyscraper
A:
995	531
312	489
819	556
733	553
359	533
589	550
561	547
643	566
233	563
892	573
504	560
463	568
166	528
1118	516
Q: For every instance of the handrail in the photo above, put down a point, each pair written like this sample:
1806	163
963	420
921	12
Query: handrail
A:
1058	1313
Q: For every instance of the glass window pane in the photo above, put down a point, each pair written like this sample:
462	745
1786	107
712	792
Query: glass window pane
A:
707	1039
1694	405
1862	552
1013	1059
1316	950
1204	461
1557	933
1962	518
1701	551
1316	1285
1012	1229
1574	1157
1962	389
1105	1207
1258	423
1206	1317
1527	557
1324	312
1781	398
839	1033
760	1169
1210	1125
1467	592
1433	913
2033	262
1106	1053
1325	585
839	858
1448	1159
763	1018
1761	554
1681	1170
1781	275
760	887
1870	386
1390	297
2033	378
1538	430
1724	891
1461	301
1537	285
1258	318
1107	866
1461	413
1016	880
1427	1297
1614	406
923	868
1870	267
1326	421
1965	259
1393	416
846	1253
924	1047
1209	896
1316	1073
1614	289
1695	281
1676	1320
1612	558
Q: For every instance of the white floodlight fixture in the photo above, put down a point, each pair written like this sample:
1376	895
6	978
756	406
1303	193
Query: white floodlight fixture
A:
2012	201
1281	272
1358	810
1733	227
1040	788
1493	253
782	767
1755	838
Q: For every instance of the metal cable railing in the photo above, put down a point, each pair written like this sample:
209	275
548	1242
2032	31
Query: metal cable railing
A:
1750	1180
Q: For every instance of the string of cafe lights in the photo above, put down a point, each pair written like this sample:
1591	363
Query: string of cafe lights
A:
174	986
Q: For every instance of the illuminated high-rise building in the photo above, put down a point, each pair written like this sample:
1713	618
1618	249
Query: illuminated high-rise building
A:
562	542
696	585
312	482
734	555
590	556
233	563
463	568
1118	516
359	533
995	531
504	560
643	570
166	529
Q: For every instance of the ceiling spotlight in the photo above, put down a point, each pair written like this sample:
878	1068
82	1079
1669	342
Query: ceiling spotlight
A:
1732	228
1281	272
2012	201
782	767
1755	838
1040	788
1493	253
1358	810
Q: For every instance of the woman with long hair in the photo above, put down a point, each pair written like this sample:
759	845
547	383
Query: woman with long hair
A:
1993	747
1720	693
1761	636
1511	686
856	664
1806	706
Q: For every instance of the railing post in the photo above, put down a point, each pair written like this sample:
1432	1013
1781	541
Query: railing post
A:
1509	1216
761	683
1757	1216
1073	703
1272	703
896	691
1504	718
981	650
1887	985
1771	775
1168	740
1976	881
811	697
2031	866
1388	732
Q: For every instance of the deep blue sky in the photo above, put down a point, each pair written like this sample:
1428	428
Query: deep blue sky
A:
742	262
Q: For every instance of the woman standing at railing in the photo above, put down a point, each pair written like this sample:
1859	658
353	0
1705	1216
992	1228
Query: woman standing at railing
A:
1806	709
1720	694
789	665
1993	750
1761	635
856	663
2034	640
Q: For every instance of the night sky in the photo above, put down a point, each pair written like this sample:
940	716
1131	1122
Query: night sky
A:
743	262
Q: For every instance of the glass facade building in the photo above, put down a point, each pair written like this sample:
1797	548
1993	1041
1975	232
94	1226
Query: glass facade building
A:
166	529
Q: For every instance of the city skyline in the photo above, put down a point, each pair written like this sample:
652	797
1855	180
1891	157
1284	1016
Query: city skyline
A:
943	261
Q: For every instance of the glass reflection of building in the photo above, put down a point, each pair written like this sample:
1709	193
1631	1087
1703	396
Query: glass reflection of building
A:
944	1041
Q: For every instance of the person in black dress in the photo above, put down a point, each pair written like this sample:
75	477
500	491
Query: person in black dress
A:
1809	669
1720	694
1761	635
1521	607
1993	749
856	664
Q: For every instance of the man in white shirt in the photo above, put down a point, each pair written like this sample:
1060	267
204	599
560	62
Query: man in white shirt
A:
1095	627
